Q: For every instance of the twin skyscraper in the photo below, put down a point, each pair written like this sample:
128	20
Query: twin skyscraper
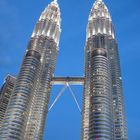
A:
103	116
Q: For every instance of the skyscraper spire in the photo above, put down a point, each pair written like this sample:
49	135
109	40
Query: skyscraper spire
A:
100	21
103	111
51	14
28	105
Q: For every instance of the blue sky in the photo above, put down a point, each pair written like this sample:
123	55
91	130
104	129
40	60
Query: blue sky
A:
18	18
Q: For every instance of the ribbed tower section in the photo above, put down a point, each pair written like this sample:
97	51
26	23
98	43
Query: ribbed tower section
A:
103	110
48	26
27	109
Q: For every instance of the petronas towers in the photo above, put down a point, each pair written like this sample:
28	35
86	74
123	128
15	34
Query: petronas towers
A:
103	109
28	106
103	115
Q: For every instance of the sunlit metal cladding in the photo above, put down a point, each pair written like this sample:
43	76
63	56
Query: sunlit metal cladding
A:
102	72
26	112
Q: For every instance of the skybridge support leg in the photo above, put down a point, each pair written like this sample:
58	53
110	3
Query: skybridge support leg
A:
67	85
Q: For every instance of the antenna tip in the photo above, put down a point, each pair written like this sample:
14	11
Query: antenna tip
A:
55	1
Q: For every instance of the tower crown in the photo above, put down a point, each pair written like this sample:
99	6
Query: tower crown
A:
100	21
49	22
52	12
99	10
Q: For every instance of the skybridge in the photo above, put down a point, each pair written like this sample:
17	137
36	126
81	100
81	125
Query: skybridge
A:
67	82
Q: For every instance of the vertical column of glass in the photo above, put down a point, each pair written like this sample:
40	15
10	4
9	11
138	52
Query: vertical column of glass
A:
120	131
43	95
99	30
86	98
40	103
101	97
48	29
